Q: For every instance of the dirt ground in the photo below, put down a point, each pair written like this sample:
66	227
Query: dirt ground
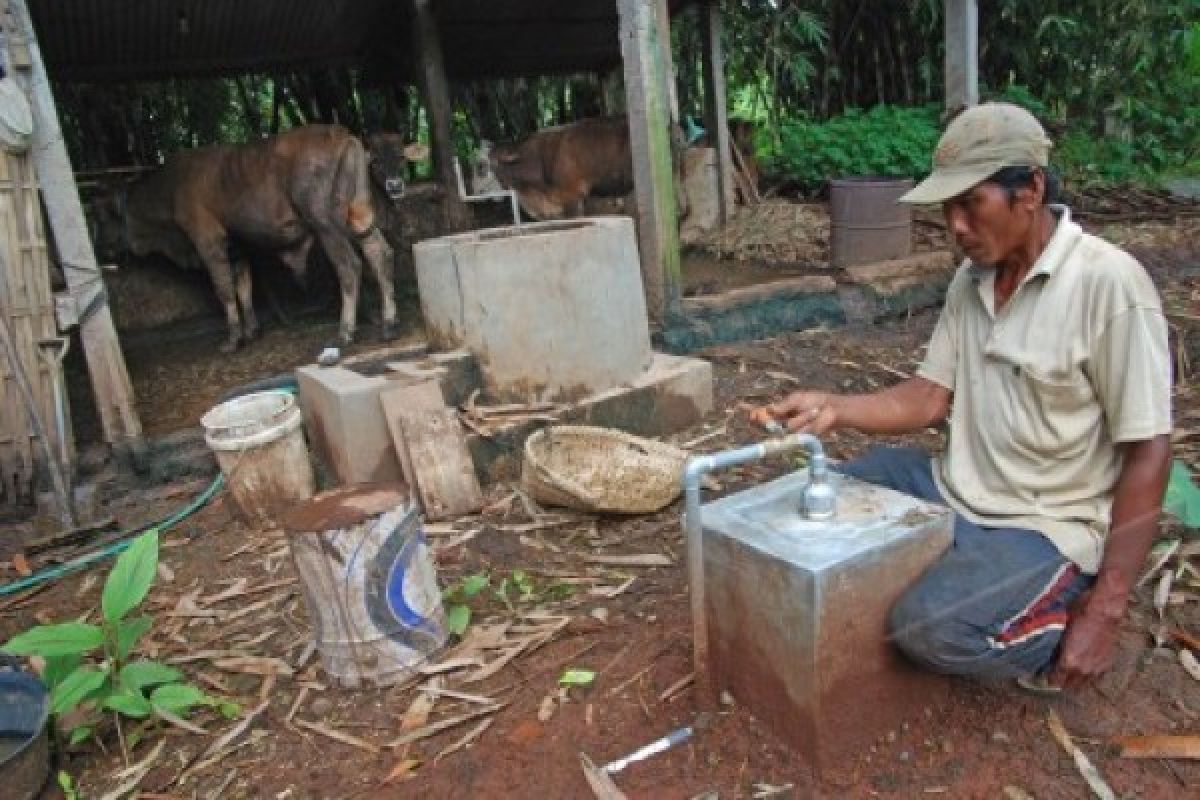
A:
629	625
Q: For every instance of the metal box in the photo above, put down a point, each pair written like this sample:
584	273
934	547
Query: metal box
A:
797	610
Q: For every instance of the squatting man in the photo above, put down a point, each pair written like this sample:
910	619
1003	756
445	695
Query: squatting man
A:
1050	365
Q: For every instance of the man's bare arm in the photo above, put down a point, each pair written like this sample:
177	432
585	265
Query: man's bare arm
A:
913	405
1090	640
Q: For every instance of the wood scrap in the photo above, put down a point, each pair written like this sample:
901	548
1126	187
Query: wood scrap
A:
234	733
417	714
336	735
1190	663
449	665
132	777
1087	770
610	592
677	687
466	740
424	396
219	792
648	560
601	782
1187	639
178	722
299	701
433	729
469	698
402	770
1163	591
1159	746
240	589
439	462
254	665
1159	562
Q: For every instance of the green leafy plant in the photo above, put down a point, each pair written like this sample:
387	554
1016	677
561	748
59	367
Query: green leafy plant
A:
515	588
91	667
67	784
577	677
519	582
884	141
457	599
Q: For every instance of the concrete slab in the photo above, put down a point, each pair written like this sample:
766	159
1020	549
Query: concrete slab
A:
342	414
676	392
346	428
870	292
753	313
797	611
351	442
552	310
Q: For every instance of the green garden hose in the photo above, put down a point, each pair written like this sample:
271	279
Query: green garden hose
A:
113	549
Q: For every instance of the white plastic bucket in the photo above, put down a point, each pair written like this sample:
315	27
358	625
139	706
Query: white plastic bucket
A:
259	444
369	584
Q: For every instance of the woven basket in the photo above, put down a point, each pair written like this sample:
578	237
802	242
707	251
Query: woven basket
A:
598	469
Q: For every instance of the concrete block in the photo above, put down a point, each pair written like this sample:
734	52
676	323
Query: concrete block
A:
551	310
754	312
797	611
345	424
673	394
890	277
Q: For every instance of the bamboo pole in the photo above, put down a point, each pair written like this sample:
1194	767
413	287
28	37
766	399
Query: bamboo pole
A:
106	364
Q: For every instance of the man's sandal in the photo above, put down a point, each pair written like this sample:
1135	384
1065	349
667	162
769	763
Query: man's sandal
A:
1039	685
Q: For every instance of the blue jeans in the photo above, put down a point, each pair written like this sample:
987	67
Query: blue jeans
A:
995	605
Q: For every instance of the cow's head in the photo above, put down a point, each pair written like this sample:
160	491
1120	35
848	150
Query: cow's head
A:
516	167
388	162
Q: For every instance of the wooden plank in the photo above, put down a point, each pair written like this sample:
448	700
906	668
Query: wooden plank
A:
425	396
435	90
648	105
446	480
106	364
716	104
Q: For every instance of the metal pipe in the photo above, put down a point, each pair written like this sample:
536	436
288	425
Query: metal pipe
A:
818	499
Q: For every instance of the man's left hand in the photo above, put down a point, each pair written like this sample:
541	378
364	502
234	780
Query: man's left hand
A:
1089	644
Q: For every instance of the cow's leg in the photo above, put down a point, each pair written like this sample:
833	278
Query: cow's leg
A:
216	258
378	253
344	257
245	295
575	208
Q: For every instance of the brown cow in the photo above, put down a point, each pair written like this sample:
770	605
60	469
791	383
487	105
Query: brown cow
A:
280	195
556	169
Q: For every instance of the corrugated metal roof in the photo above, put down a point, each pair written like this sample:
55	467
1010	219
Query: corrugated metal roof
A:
106	40
96	40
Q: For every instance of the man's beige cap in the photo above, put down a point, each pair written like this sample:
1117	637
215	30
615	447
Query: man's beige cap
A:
978	143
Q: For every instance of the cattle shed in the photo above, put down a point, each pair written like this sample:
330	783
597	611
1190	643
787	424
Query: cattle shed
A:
429	43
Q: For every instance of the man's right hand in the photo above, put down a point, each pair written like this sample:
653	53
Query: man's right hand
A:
807	412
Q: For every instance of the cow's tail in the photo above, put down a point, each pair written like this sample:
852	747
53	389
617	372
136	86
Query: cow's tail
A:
352	183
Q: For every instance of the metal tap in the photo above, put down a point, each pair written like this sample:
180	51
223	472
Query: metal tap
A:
817	503
819	500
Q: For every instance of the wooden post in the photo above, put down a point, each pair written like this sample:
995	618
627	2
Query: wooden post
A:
668	59
648	105
962	53
106	365
715	104
435	90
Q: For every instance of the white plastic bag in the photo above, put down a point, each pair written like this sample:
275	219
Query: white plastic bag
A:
16	118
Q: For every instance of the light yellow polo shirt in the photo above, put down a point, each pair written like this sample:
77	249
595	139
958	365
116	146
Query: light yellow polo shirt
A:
1075	361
